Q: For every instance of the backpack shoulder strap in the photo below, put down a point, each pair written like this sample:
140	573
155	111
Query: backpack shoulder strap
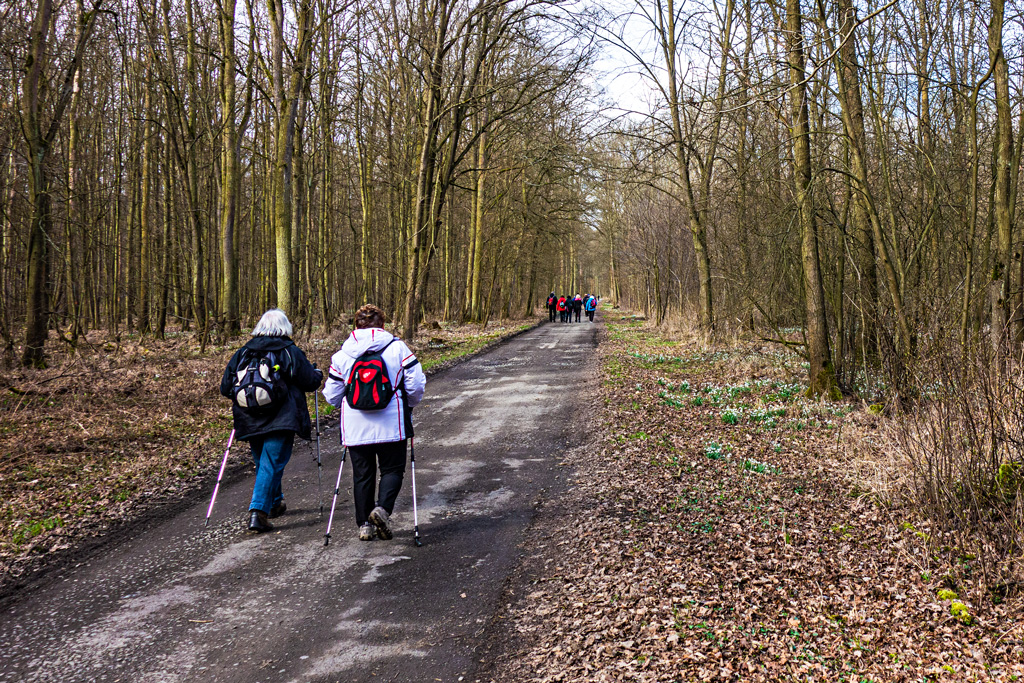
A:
288	358
400	376
379	352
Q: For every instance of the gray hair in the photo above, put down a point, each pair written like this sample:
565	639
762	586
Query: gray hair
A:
274	323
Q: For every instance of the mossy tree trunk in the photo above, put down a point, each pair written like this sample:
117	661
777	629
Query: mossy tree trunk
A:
822	379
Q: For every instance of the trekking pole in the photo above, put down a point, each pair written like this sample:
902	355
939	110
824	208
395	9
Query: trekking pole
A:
319	464
220	474
337	485
415	515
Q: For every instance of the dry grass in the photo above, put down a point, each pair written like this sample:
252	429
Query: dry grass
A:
955	463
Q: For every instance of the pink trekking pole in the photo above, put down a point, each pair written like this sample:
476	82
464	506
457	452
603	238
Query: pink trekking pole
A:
220	475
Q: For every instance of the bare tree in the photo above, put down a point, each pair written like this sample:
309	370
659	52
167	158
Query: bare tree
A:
39	137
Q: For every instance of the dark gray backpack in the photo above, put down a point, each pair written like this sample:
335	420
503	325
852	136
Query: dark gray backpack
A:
261	380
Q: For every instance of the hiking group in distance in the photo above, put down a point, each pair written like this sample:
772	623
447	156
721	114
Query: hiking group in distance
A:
567	305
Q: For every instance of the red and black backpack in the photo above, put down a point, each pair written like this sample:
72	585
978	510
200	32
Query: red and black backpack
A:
369	384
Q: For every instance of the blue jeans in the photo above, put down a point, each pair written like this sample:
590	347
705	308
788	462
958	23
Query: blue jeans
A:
270	452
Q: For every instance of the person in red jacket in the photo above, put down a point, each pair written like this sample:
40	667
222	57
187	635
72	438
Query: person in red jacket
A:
562	311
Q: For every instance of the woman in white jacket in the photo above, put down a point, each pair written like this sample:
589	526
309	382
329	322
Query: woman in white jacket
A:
376	437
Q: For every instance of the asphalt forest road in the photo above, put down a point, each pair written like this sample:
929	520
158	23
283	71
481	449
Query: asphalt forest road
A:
183	603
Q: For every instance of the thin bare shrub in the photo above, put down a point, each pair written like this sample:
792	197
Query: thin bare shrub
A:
962	451
683	326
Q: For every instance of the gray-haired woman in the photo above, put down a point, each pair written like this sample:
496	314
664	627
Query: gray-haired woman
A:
271	432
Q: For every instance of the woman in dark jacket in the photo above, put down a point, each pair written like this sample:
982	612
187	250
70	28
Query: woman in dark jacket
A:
271	432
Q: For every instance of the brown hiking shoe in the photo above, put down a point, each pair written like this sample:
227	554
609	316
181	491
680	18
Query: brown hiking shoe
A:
380	519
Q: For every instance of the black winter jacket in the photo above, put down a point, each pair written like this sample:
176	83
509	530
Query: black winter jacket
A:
293	415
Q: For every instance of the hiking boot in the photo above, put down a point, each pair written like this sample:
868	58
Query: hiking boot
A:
366	532
277	510
258	521
380	519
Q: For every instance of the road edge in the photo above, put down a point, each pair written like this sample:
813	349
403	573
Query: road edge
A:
489	346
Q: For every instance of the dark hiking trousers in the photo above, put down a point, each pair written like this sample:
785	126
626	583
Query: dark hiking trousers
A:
391	457
551	314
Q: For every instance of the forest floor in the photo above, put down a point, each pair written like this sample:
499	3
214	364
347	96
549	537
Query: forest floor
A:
715	530
101	437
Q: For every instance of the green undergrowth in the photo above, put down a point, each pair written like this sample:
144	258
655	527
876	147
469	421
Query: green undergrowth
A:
719	442
768	404
752	400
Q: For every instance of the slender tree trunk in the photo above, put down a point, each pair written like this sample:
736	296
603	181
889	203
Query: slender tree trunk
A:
847	70
39	142
478	227
230	180
822	380
698	228
200	307
145	215
365	148
7	231
74	223
999	287
167	244
425	171
286	109
298	202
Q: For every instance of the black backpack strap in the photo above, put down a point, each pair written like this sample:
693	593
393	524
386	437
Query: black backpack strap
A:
289	361
400	377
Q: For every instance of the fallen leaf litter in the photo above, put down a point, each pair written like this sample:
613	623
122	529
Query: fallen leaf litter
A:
695	548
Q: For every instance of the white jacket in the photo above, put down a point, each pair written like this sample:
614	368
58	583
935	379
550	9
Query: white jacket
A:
360	427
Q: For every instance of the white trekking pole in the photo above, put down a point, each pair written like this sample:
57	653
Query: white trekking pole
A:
337	486
319	464
415	515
